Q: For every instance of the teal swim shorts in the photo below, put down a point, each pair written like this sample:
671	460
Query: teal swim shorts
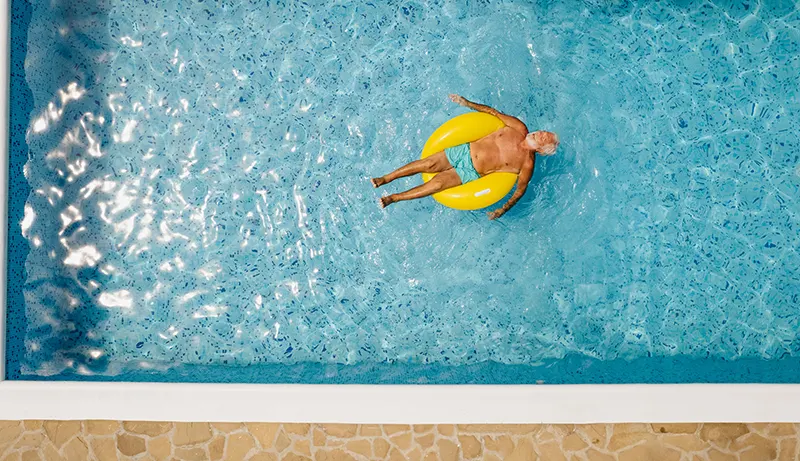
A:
460	158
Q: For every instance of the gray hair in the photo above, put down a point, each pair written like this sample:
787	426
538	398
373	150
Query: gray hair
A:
550	148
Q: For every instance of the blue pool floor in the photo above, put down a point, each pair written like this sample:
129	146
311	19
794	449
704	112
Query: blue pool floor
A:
659	244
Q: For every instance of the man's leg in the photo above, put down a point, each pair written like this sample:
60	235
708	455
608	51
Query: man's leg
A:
440	182
435	163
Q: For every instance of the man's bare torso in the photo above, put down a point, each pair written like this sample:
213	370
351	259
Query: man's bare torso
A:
499	151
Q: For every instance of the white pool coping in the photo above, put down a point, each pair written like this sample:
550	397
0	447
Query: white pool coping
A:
400	404
370	403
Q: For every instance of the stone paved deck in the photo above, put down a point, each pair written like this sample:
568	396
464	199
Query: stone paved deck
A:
113	440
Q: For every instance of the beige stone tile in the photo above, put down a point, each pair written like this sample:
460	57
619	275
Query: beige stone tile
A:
76	449
650	451
631	428
447	430
424	441
335	442
396	455
501	444
392	429
380	448
675	428
415	454
33	424
343	431
191	454
29	440
423	428
402	440
31	455
130	445
191	433
227	427
754	447
595	433
59	432
370	430
264	457
574	442
302	447
160	448
448	451
282	442
722	435
151	429
295	457
780	430
101	427
319	439
264	432
431	456
297	429
13	456
470	446
593	454
716	455
685	442
360	447
216	448
550	452
333	455
50	453
545	436
561	430
498	428
524	451
239	446
103	449
758	427
788	450
623	440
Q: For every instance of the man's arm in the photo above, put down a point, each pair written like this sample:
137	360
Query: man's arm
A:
511	122
523	179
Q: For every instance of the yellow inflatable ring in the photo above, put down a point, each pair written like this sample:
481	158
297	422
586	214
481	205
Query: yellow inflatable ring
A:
484	191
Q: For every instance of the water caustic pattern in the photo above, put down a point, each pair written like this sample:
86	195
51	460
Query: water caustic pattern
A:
200	194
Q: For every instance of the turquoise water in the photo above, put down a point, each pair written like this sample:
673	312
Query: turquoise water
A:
199	189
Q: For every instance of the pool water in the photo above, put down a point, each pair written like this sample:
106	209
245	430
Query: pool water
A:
199	190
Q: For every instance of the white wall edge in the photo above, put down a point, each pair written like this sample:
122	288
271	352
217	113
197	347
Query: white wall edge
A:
400	404
5	7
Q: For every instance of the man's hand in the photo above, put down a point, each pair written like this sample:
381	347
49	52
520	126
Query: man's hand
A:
522	185
495	214
458	99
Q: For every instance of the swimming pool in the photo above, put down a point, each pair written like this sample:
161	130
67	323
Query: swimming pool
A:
195	206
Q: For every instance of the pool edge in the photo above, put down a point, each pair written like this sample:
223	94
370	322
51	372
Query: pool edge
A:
400	404
5	10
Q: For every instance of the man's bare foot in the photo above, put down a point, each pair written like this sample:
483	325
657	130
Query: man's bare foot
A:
378	182
386	201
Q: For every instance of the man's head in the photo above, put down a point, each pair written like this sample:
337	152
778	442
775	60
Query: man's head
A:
542	142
